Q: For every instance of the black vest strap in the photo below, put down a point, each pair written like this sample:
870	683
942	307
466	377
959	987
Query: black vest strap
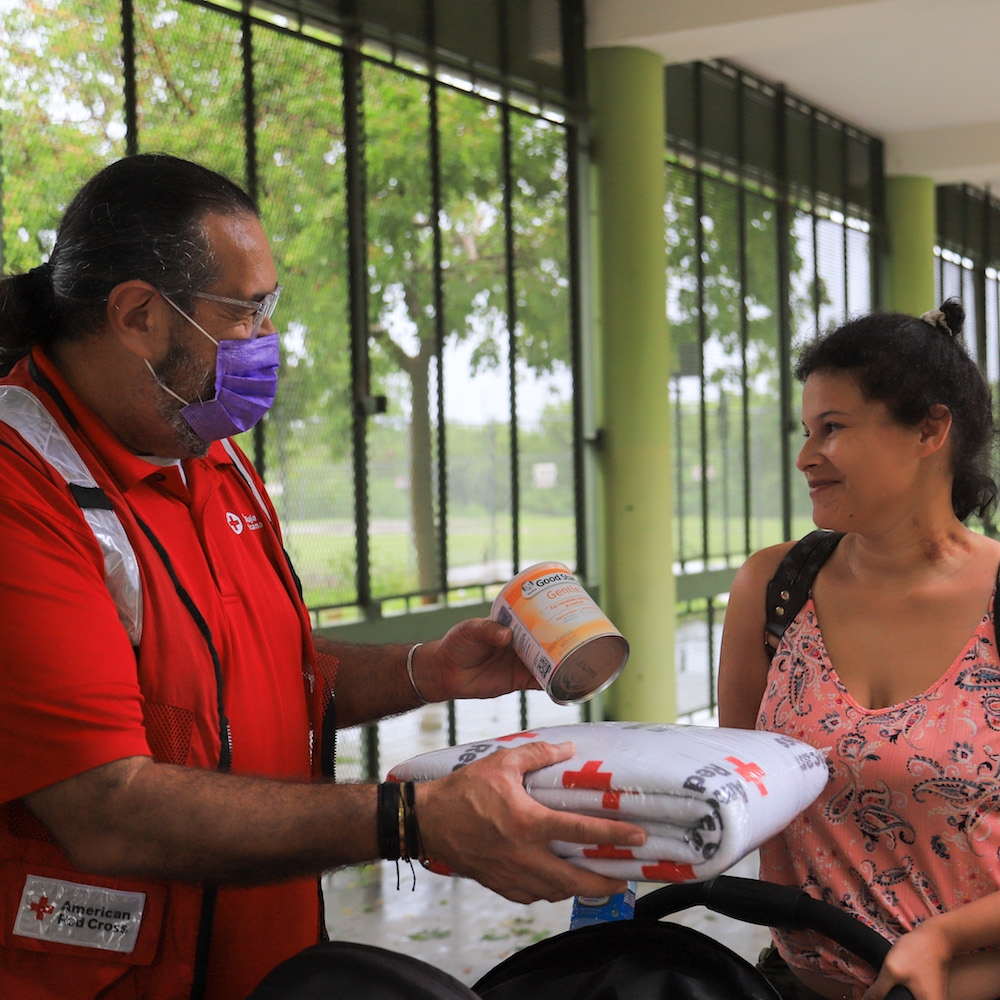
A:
789	588
90	497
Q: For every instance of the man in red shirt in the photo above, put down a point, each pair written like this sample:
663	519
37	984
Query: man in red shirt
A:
165	713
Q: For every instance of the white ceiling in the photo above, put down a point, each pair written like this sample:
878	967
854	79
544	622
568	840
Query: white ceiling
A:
923	75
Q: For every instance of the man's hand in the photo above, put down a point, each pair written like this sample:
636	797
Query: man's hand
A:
475	659
481	823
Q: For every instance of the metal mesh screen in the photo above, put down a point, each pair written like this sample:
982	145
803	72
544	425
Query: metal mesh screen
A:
61	116
768	223
422	442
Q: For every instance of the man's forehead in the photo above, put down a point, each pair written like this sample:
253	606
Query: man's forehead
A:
241	247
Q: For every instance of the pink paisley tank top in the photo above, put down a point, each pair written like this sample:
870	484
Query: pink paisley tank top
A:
909	823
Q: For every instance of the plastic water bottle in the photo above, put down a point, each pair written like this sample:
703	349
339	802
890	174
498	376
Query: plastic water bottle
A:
599	909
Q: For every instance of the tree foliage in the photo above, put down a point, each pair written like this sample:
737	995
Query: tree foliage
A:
457	251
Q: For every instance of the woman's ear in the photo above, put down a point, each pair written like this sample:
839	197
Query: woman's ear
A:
934	429
136	314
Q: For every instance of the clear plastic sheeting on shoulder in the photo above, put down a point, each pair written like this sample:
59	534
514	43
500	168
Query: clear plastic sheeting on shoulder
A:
22	410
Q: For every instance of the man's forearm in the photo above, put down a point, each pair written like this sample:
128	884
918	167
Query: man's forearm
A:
138	818
372	682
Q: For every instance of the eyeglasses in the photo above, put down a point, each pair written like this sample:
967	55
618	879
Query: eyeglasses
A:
263	308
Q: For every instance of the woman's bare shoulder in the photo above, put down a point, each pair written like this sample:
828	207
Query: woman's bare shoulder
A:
758	568
744	660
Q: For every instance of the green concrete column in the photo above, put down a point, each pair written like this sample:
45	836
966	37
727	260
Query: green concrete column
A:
626	89
911	220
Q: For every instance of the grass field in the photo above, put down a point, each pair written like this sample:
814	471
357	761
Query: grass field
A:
480	550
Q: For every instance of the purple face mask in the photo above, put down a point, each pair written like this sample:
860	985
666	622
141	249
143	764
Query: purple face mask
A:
246	382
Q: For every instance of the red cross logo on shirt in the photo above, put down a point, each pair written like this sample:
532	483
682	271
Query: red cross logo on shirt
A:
42	908
751	772
515	736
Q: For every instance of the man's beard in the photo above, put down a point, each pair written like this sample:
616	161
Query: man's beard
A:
191	380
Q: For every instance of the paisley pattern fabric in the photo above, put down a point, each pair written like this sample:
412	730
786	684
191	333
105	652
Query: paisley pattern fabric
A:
909	823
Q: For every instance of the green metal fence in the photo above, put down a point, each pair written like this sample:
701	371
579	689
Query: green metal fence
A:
772	220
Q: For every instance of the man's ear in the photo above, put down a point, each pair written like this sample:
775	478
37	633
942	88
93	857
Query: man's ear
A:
935	428
137	315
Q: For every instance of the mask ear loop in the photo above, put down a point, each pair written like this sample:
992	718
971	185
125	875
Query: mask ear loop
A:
166	388
193	322
198	327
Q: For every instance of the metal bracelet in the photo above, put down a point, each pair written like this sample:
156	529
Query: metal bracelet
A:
409	673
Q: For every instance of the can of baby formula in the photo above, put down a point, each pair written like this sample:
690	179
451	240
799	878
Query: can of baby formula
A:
562	636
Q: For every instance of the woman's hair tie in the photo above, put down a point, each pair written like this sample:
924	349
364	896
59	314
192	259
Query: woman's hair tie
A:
41	277
949	317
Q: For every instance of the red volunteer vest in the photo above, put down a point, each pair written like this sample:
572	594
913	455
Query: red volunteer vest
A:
224	675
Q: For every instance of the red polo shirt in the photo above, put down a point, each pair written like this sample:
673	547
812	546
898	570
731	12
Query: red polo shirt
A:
75	695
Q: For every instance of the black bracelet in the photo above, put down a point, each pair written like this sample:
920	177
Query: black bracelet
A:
387	825
414	848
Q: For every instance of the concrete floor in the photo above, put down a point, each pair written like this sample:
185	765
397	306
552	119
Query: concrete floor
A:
466	930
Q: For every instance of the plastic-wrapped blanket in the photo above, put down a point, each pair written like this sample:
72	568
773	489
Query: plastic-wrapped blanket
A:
706	796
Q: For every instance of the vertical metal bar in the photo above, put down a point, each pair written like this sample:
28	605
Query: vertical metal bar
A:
877	230
250	154
814	215
572	26
783	235
741	211
992	216
984	256
249	102
678	469
979	280
699	211
128	65
940	214
710	619
439	317
575	220
370	751
844	180
511	278
574	216
508	213
357	254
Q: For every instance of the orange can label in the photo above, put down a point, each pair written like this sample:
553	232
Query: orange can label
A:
560	633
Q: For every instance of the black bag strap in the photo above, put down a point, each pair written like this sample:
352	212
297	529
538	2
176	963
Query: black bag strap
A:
788	589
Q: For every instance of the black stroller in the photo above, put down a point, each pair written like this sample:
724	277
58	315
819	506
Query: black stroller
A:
640	959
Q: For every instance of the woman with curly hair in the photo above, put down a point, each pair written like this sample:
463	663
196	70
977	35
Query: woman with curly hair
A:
890	666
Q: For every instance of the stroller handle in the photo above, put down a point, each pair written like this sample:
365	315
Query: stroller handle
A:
771	905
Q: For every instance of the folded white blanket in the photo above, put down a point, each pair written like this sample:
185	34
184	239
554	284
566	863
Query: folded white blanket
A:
705	796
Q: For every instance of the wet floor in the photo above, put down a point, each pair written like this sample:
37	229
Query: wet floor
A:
464	929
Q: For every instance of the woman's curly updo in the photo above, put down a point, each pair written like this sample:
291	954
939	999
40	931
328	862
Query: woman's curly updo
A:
911	365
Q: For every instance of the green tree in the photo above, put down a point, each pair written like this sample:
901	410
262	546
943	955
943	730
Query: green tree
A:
62	101
470	240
